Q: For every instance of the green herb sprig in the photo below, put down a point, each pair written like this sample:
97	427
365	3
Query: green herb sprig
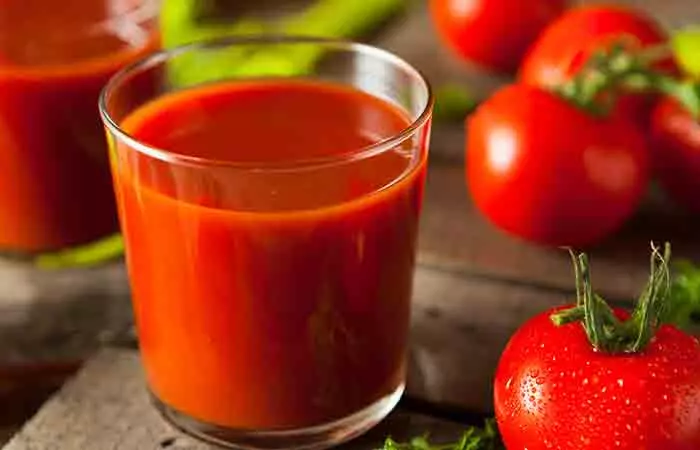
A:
683	308
473	438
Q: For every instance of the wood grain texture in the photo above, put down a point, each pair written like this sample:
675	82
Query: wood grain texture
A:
105	407
59	315
49	322
459	326
454	235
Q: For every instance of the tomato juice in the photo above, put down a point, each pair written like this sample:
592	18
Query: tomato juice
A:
55	57
270	247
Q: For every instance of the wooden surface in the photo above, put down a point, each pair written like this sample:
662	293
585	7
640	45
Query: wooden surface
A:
106	408
474	285
459	326
454	235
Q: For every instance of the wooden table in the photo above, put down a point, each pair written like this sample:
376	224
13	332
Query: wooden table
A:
472	288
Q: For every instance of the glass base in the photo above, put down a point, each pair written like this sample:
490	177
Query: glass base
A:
312	438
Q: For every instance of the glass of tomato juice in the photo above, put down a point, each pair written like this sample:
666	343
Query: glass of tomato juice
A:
270	211
55	57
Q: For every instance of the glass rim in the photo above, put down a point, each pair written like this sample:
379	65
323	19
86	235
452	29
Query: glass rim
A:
417	121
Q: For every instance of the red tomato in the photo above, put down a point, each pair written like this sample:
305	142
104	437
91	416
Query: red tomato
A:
548	172
676	152
493	33
554	391
564	46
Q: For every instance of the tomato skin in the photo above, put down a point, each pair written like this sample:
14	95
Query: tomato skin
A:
493	33
676	152
547	172
564	47
554	391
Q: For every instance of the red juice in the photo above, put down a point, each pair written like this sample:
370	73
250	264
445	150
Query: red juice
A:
55	57
271	298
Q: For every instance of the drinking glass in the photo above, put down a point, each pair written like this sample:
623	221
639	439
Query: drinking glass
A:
55	58
55	185
264	320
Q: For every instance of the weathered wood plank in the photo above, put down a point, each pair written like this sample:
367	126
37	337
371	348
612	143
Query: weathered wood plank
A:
455	235
459	326
49	316
106	408
49	322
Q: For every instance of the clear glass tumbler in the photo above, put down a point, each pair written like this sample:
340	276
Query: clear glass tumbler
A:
269	192
55	187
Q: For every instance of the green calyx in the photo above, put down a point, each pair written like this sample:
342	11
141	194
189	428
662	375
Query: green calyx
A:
612	71
605	330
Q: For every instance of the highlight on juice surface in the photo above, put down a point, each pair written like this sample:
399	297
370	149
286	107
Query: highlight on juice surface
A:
270	222
55	57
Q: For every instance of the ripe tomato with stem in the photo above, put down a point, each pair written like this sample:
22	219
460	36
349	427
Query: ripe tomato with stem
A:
591	377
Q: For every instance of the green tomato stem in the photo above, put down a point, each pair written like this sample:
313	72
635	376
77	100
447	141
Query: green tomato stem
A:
605	331
609	72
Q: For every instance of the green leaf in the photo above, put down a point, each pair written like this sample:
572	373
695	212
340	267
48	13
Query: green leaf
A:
341	18
193	68
686	48
453	103
473	438
181	23
94	253
684	298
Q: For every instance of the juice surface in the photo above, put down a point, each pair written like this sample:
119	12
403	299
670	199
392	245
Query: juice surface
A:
270	299
55	57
